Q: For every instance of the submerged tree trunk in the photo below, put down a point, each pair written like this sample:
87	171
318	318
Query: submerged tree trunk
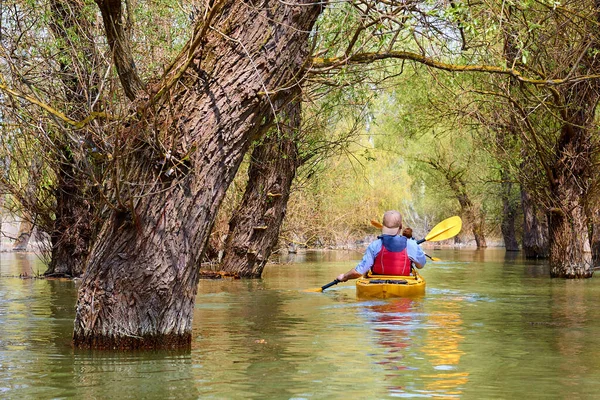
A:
254	226
473	215
535	229
24	234
568	221
140	284
573	170
568	258
74	226
509	215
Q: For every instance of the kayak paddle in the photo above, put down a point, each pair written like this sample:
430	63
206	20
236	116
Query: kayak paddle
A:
446	229
432	258
333	282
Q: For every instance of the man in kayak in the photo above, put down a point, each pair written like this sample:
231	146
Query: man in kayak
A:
390	254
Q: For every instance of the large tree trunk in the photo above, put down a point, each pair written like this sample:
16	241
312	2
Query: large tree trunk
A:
139	287
572	171
75	224
568	221
254	226
568	258
535	229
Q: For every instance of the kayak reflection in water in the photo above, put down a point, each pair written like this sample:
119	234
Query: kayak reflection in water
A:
388	319
390	254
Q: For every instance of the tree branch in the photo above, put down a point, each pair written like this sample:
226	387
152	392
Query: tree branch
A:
324	64
118	40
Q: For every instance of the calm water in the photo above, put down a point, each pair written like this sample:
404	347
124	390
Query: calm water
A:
488	327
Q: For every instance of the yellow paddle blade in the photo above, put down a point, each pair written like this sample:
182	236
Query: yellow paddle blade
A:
376	224
315	290
446	229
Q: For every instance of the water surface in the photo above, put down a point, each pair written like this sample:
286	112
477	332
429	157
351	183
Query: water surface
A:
491	325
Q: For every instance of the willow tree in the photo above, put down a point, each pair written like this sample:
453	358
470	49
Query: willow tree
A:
174	157
50	62
318	124
554	117
59	90
552	94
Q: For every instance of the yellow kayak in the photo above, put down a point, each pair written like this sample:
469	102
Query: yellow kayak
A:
386	286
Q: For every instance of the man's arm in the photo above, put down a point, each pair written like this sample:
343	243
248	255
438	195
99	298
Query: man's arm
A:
352	274
416	254
365	264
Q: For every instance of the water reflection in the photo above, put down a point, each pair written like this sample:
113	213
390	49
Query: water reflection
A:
159	375
254	326
415	342
390	321
442	346
488	327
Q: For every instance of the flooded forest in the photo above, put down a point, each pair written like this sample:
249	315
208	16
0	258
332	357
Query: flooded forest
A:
148	145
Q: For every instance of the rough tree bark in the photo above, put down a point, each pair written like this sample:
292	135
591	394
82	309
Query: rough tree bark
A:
139	287
254	225
571	170
535	228
120	45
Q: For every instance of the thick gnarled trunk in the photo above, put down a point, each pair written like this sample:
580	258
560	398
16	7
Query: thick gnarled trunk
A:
254	226
573	171
139	287
568	258
568	221
74	226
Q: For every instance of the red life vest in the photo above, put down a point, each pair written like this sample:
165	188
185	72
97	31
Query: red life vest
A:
393	257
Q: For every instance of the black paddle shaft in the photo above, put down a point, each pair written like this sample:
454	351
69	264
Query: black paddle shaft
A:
330	284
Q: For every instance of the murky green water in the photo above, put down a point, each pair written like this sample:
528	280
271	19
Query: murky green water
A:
488	327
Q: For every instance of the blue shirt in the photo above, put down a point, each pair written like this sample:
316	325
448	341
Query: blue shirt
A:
413	250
